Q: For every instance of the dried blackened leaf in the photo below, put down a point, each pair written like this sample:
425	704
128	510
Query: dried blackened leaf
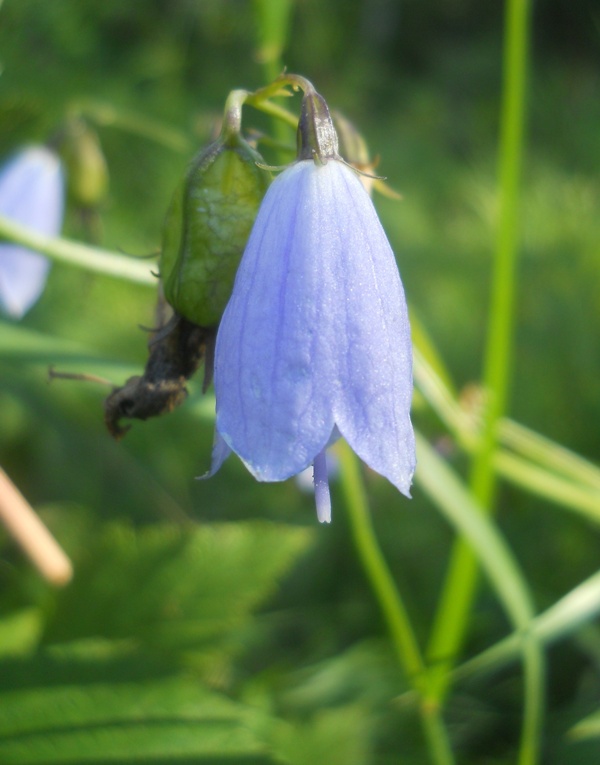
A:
176	351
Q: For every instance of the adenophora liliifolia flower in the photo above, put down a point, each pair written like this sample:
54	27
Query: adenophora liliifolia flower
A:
32	194
315	340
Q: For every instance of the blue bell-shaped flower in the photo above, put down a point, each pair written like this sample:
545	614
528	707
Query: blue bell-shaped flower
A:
315	340
32	194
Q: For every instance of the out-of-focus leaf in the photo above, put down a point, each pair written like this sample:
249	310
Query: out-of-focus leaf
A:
20	631
28	346
365	673
549	484
161	721
339	736
589	727
81	663
174	588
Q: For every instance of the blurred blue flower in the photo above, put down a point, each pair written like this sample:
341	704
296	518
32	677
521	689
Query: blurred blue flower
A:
315	340
32	194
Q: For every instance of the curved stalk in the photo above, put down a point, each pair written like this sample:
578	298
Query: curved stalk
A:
391	604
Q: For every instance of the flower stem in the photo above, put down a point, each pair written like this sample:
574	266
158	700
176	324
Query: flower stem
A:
391	603
80	255
460	585
272	20
107	115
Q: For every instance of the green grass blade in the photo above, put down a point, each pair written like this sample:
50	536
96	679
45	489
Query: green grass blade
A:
459	588
545	483
391	603
453	499
104	114
547	452
542	466
273	20
80	255
28	346
574	610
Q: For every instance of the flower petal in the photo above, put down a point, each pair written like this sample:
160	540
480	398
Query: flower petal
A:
372	408
273	407
220	452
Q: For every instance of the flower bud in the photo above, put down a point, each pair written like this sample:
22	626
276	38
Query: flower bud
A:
208	224
87	173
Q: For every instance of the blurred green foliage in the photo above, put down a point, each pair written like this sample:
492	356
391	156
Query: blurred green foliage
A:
207	622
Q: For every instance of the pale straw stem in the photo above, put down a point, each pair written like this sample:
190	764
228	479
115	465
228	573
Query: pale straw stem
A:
31	535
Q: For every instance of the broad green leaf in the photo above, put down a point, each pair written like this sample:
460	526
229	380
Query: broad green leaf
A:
168	720
19	631
174	588
337	736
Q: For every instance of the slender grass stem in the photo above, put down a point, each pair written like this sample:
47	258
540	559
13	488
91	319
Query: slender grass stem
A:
459	588
391	604
460	585
80	255
532	462
273	19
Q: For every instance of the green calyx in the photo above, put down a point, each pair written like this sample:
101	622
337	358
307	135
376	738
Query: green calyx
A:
208	224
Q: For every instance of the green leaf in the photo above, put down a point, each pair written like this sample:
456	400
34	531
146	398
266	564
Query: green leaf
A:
19	631
587	728
168	720
174	588
31	347
365	674
428	355
555	456
339	736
